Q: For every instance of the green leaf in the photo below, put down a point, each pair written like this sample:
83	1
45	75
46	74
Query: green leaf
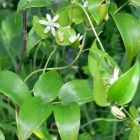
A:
98	58
76	91
67	120
84	136
12	86
99	91
24	4
2	135
43	133
32	40
123	90
38	28
8	27
135	2
63	34
135	133
112	8
130	32
63	16
48	86
98	10
31	115
76	14
134	112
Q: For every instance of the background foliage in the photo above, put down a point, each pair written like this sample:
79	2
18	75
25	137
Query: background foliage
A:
27	113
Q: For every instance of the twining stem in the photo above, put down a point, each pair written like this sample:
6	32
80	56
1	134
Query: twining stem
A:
99	119
24	36
55	68
48	60
121	7
92	26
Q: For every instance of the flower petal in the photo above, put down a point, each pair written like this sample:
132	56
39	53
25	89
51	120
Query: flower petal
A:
43	22
78	35
72	39
53	31
48	17
81	37
47	29
55	18
56	25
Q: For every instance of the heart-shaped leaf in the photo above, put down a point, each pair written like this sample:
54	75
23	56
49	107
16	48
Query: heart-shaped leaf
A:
123	90
76	91
32	40
130	32
12	86
67	120
32	114
48	86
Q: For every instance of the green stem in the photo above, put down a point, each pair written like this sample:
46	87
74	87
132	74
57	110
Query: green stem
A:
92	26
121	7
99	119
56	68
48	60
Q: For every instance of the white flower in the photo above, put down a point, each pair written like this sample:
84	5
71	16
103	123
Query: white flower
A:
115	75
85	3
117	112
50	23
73	38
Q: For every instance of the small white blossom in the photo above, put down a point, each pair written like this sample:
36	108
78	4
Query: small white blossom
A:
85	3
50	23
117	112
73	38
115	75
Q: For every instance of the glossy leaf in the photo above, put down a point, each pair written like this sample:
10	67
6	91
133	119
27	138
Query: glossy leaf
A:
68	125
76	91
134	2
48	86
63	35
31	115
24	4
123	90
32	40
130	32
12	86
